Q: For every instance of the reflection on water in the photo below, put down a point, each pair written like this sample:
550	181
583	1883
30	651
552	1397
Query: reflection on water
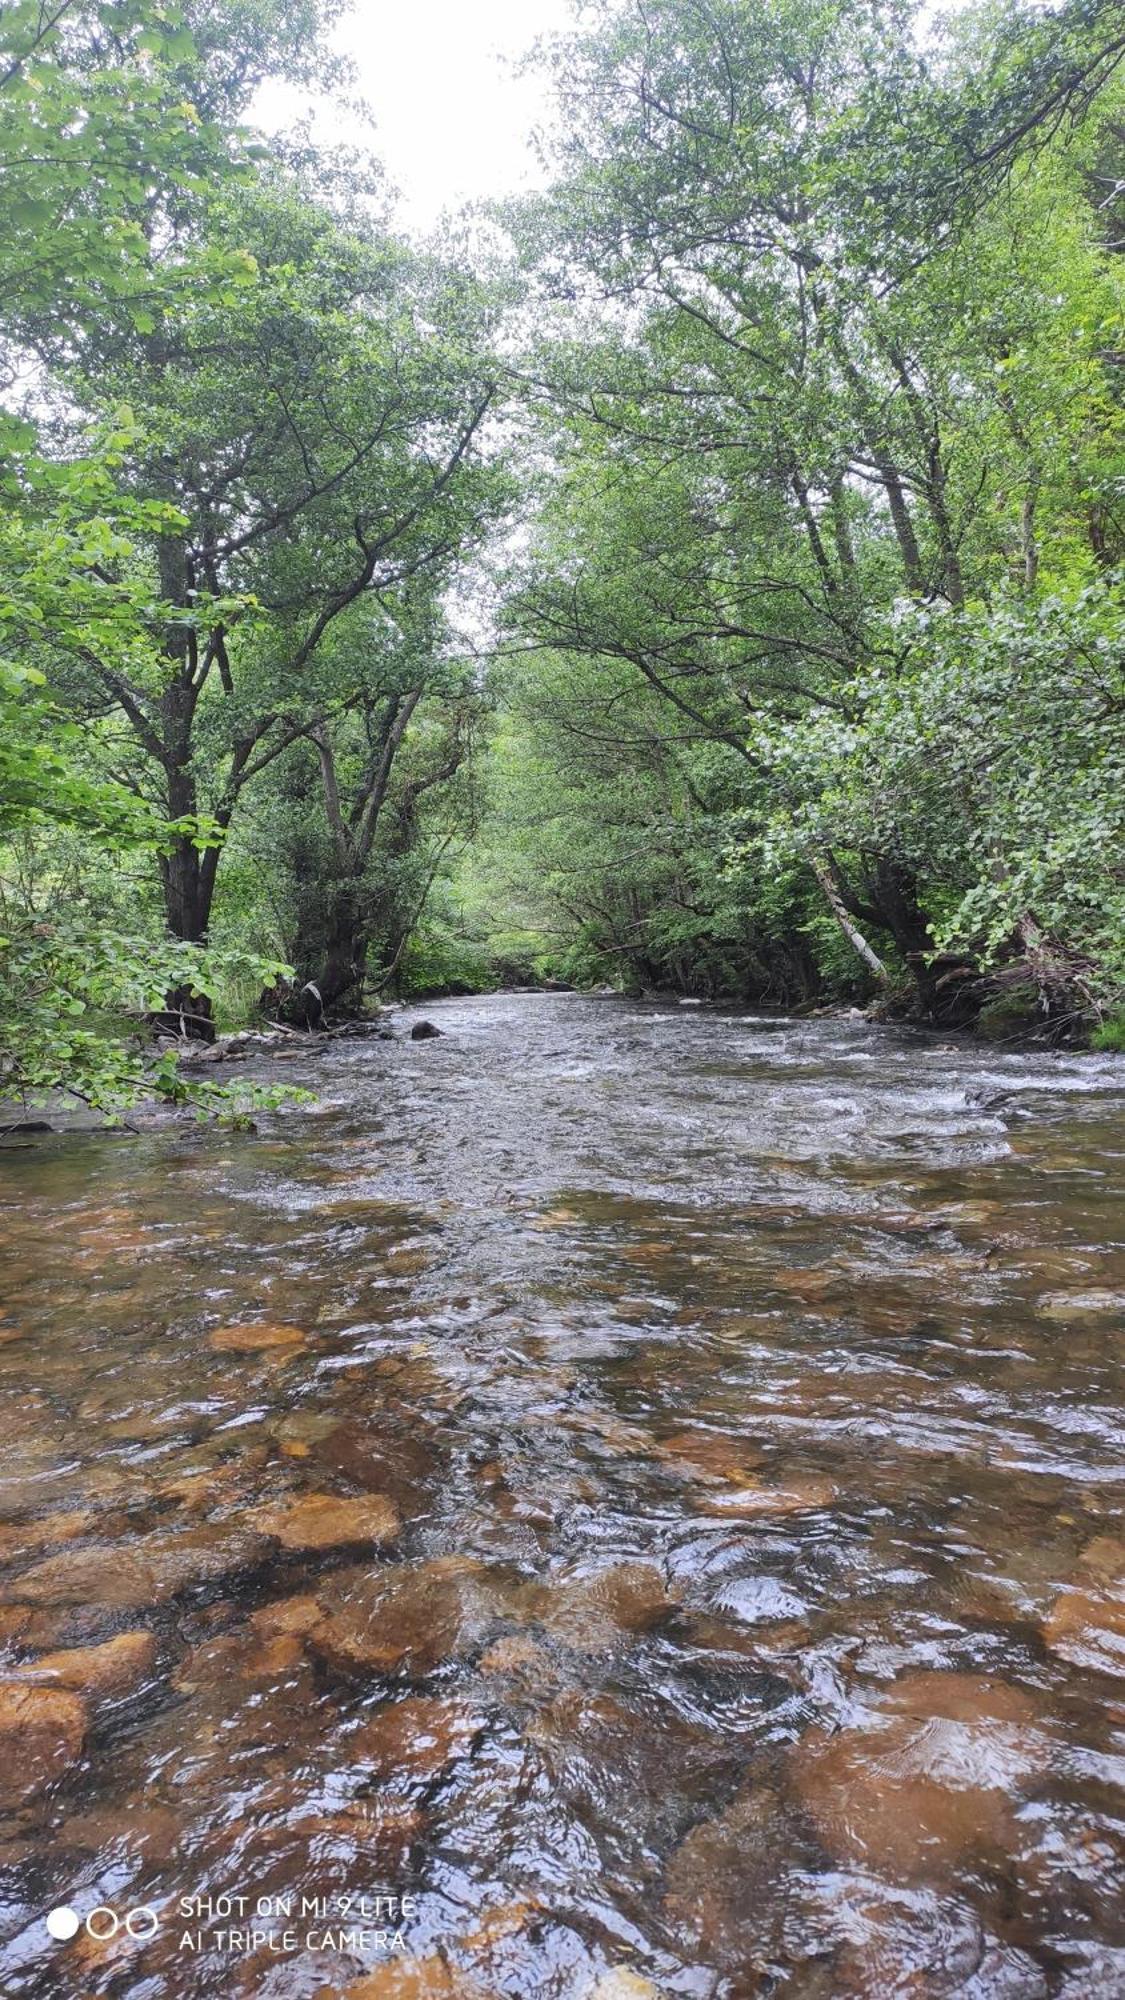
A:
645	1486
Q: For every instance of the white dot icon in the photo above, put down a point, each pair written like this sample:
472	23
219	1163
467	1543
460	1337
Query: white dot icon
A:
63	1923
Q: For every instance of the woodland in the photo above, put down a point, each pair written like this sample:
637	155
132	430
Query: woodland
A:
700	575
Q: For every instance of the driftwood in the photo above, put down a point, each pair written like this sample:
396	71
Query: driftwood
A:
279	1035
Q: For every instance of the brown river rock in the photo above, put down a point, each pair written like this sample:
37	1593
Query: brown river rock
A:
1086	1622
405	1619
753	1498
499	1922
873	1941
325	1521
702	1455
14	1620
239	1657
929	1771
42	1731
415	1739
287	1615
1081	1305
252	1338
102	1673
405	1464
727	1866
133	1826
1087	1627
594	1613
20	1539
622	1983
149	1570
521	1662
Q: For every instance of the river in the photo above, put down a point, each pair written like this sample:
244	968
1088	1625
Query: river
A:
615	1500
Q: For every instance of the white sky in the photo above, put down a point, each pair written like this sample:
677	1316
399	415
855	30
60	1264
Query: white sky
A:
452	121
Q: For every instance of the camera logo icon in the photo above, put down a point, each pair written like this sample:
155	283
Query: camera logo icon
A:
102	1923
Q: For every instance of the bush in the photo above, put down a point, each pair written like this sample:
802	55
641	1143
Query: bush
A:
1110	1037
436	962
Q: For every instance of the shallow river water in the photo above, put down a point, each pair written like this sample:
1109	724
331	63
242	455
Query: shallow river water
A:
613	1501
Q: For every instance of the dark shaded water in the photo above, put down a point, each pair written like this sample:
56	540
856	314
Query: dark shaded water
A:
646	1487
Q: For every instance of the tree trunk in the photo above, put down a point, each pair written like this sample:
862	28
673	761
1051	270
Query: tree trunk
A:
851	931
895	895
330	955
188	878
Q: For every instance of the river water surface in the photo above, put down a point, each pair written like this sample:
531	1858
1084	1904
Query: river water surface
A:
644	1487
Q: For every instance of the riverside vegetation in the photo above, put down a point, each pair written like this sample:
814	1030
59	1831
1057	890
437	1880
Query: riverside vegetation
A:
704	574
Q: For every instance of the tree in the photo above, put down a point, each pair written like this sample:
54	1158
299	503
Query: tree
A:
858	365
87	124
319	438
357	868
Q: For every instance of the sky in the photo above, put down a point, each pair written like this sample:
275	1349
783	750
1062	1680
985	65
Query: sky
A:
452	119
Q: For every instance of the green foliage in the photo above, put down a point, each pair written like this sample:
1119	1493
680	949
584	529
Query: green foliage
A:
823	596
96	134
436	961
989	758
64	987
809	676
252	465
1110	1036
93	118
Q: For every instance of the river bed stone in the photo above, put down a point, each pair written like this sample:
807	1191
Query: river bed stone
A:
404	1619
148	1570
42	1733
311	1521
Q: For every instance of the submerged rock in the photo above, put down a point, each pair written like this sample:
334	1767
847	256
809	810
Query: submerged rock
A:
133	1827
639	1752
621	1982
20	1539
524	1663
416	1739
263	1337
702	1454
151	1570
759	1600
14	1620
424	1031
287	1616
927	1773
1086	1623
1087	1628
591	1613
873	1940
1081	1305
728	1866
404	1465
102	1673
42	1733
499	1922
404	1620
240	1657
325	1521
799	1496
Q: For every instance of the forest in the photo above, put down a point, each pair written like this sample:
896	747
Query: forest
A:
700	575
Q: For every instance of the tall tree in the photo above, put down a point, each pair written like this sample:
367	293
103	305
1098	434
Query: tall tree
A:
841	381
318	445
